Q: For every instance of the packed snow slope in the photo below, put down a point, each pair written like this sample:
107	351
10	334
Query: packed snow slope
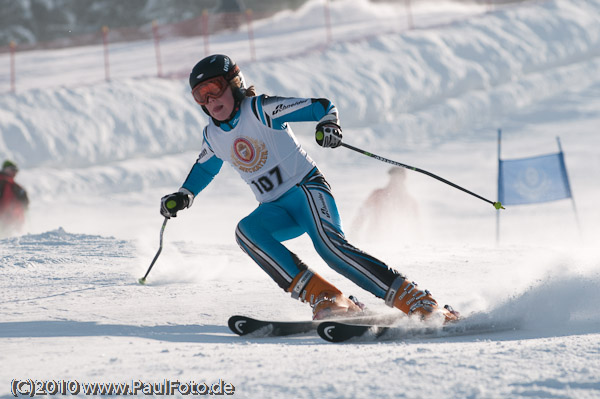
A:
96	160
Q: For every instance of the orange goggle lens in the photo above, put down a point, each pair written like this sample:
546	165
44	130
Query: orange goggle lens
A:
214	88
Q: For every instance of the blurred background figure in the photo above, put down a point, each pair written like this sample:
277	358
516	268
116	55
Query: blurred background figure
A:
389	214
231	13
13	200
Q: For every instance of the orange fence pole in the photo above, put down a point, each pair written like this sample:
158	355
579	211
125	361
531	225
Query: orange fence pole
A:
205	32
409	18
328	22
250	35
157	49
13	79
106	62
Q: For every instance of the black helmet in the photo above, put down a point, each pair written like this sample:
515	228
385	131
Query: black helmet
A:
213	66
219	65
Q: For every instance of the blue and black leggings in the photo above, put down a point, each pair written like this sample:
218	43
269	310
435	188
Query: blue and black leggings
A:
309	207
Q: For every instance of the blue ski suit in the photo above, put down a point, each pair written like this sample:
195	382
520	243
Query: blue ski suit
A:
294	196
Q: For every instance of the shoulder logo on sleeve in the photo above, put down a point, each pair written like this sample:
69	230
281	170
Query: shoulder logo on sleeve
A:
280	108
202	155
248	155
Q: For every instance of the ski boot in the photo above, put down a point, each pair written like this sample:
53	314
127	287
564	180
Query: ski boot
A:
329	306
451	310
325	299
405	296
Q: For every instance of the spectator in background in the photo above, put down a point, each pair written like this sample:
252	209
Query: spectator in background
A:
389	213
13	200
231	6
232	13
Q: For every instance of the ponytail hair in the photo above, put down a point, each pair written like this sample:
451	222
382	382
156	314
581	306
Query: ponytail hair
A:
239	92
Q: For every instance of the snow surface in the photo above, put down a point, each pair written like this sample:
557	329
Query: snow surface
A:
96	160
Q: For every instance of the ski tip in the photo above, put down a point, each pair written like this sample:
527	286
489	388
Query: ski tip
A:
237	324
334	331
326	330
339	332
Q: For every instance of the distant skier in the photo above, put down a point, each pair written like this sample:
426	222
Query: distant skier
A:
388	213
13	200
252	134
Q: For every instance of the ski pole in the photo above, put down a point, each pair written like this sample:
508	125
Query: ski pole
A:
496	204
162	231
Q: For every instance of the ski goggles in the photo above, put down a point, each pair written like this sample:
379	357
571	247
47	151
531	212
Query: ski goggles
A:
211	88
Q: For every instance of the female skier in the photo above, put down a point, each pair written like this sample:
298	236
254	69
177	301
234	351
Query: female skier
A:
252	133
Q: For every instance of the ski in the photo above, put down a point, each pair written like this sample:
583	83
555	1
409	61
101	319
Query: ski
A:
337	331
244	325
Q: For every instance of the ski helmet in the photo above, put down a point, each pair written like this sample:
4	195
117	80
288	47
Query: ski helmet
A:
213	66
219	65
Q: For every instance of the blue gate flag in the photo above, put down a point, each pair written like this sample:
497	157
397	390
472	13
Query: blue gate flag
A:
530	180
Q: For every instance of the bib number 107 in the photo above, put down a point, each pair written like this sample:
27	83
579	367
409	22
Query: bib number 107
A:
268	181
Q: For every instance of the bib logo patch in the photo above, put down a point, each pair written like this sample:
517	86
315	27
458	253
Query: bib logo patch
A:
249	155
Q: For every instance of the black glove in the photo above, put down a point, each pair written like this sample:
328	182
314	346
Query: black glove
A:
328	134
173	203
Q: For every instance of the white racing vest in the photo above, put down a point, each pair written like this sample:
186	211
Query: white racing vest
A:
271	161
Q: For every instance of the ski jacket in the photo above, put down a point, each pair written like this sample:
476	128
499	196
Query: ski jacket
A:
13	199
259	143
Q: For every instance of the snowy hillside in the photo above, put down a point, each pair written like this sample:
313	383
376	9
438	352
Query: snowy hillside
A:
96	159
